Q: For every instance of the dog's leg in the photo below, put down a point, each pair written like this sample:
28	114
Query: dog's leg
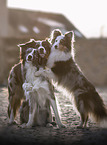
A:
49	112
10	106
31	116
32	109
49	116
11	120
83	114
13	107
84	119
24	112
85	125
54	106
10	111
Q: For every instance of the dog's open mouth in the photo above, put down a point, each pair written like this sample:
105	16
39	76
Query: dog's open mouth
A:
42	52
42	55
29	58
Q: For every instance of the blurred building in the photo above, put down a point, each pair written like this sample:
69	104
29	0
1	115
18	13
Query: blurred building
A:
18	26
26	24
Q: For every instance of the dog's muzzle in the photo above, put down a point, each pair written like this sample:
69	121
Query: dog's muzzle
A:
30	57
42	51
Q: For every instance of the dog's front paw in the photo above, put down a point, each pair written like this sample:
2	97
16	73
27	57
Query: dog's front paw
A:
12	123
38	73
49	125
24	125
27	86
48	71
62	126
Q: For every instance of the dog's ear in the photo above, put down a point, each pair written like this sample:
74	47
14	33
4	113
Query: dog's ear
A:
28	44
24	46
54	35
47	46
22	50
69	38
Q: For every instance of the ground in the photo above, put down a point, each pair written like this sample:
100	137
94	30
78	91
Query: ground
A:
42	135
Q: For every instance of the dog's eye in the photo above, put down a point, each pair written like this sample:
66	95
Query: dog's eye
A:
56	40
56	47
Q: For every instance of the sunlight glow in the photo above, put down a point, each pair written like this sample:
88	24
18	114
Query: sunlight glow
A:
50	22
89	16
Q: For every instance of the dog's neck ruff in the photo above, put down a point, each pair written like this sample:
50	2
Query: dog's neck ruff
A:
35	83
57	55
30	71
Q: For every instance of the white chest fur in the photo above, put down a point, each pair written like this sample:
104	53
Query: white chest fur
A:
30	72
36	83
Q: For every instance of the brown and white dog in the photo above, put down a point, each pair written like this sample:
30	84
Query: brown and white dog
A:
37	88
66	72
17	78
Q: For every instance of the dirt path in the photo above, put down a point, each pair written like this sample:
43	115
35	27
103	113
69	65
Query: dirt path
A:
42	135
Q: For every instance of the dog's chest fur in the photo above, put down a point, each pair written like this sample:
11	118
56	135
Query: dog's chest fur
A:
36	83
70	77
30	72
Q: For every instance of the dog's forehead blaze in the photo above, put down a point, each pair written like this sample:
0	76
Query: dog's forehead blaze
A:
29	49
59	38
42	43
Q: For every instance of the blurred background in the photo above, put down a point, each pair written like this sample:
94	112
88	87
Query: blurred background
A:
21	20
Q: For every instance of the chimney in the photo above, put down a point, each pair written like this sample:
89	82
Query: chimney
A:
3	18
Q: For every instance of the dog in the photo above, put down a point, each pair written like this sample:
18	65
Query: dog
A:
37	87
17	78
15	91
65	71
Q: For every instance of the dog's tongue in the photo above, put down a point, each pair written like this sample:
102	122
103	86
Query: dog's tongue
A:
42	55
42	62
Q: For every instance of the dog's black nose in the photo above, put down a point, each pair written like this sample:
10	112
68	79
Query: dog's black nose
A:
55	46
29	57
41	50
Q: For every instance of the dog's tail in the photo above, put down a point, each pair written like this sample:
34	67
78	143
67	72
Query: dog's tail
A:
93	105
98	110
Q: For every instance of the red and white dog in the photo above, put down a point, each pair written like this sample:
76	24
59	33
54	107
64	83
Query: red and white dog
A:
15	82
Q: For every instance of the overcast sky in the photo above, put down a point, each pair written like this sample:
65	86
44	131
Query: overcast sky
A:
89	16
